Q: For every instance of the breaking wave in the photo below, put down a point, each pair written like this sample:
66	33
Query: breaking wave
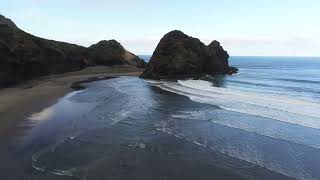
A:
278	107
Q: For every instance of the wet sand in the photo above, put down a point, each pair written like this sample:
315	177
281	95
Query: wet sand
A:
19	102
32	96
163	156
16	103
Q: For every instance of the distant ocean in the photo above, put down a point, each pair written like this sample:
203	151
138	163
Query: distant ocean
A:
283	88
261	123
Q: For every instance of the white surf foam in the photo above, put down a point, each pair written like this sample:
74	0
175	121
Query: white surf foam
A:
45	114
278	107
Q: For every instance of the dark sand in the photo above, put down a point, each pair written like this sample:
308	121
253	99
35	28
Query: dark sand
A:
32	96
17	103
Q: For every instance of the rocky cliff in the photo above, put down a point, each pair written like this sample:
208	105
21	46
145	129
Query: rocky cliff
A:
181	56
24	56
111	52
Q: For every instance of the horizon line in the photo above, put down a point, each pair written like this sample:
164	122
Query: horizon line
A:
278	56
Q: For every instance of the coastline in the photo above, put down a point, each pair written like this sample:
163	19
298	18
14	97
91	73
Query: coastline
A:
35	95
16	103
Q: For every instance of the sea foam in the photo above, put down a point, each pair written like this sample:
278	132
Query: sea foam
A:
278	107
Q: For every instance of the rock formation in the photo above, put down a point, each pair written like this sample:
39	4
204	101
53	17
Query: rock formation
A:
181	56
111	52
24	56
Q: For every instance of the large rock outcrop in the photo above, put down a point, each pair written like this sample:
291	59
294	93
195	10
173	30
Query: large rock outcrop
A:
181	56
111	52
24	56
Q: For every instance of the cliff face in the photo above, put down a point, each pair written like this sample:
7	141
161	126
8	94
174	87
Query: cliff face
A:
24	56
180	56
111	52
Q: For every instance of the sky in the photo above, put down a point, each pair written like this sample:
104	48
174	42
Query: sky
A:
243	27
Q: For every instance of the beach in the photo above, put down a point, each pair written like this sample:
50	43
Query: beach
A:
119	126
123	128
20	101
25	137
152	90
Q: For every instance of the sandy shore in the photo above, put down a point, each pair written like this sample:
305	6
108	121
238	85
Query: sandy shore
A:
150	153
18	102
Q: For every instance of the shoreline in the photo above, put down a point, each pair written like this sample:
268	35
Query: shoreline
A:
48	91
17	103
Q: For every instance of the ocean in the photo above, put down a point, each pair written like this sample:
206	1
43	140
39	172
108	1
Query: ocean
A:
262	123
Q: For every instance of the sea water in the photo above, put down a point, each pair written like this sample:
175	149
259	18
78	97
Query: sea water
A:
262	123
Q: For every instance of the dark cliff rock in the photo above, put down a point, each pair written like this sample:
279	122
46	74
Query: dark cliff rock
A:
181	56
111	52
24	56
